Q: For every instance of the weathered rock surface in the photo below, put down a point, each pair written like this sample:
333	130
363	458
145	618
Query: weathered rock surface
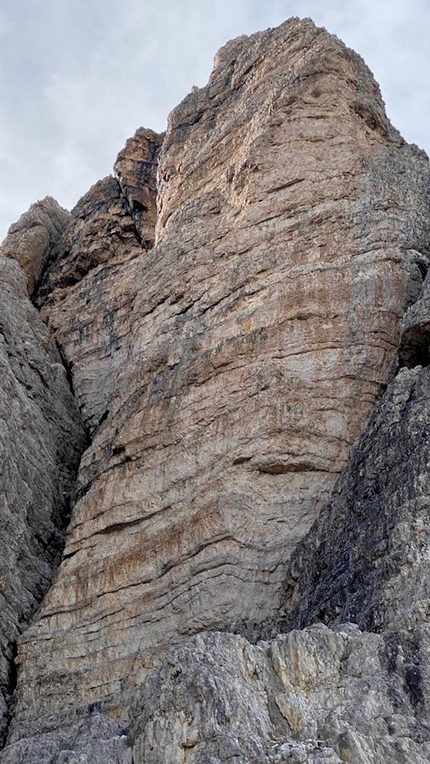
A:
135	169
317	696
33	239
367	557
224	373
92	739
41	439
415	326
87	295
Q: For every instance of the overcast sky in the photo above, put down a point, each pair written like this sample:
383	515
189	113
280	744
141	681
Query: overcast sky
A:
77	77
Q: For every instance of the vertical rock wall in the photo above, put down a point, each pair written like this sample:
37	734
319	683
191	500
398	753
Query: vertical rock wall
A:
224	373
41	437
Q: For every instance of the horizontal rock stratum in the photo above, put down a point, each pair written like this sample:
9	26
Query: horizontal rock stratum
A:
229	308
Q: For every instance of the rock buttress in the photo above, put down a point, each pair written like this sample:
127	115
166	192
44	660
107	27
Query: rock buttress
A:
33	240
41	438
252	342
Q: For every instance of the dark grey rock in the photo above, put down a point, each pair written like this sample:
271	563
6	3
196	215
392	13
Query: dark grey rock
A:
41	440
367	557
415	325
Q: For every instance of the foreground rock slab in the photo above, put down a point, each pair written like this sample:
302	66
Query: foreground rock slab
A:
92	739
317	696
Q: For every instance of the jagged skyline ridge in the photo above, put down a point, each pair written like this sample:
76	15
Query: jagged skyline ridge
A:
78	79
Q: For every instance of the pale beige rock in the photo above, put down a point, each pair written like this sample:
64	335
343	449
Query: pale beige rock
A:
254	339
33	238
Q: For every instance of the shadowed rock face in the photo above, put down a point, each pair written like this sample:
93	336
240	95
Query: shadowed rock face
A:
87	295
135	169
224	373
41	440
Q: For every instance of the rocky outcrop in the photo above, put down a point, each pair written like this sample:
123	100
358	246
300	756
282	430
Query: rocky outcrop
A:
135	169
225	373
72	739
87	295
34	239
317	696
367	557
41	440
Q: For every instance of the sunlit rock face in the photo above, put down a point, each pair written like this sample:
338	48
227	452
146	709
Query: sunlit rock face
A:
224	372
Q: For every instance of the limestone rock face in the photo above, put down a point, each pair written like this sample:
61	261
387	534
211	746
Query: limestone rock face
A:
92	739
101	229
367	556
225	373
316	696
88	313
32	241
41	440
87	295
